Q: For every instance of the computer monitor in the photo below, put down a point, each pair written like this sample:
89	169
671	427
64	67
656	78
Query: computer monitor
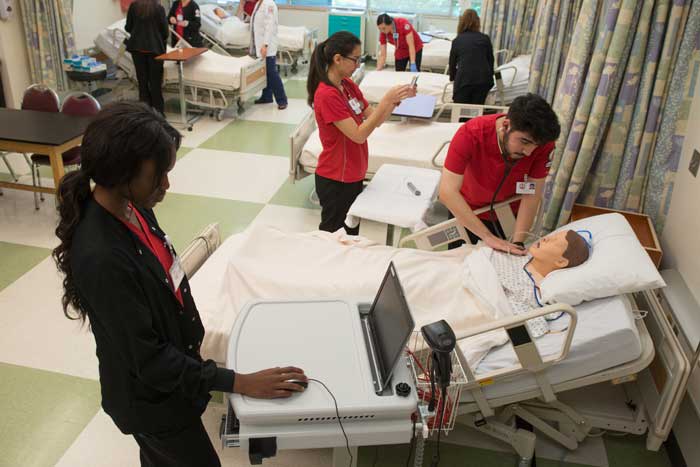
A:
391	323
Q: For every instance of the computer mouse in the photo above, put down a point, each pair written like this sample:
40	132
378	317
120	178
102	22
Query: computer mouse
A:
303	384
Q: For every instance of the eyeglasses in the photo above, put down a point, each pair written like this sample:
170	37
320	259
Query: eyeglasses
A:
357	60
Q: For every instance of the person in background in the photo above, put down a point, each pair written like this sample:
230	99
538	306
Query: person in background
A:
407	42
185	17
263	44
122	274
148	33
471	61
345	120
245	9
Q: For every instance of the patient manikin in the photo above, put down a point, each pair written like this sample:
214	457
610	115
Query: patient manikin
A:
221	13
520	276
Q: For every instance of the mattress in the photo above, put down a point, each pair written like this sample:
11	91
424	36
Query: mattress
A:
376	83
387	145
605	336
234	33
209	69
436	54
516	77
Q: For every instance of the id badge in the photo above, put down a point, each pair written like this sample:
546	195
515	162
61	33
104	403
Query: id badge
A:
525	188
355	106
179	17
396	37
176	272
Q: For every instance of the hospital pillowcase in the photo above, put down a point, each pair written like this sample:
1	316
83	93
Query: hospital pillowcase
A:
618	264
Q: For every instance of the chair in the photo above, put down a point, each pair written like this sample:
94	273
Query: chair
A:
80	104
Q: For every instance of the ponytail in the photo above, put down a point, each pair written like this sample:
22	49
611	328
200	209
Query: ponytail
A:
73	192
343	43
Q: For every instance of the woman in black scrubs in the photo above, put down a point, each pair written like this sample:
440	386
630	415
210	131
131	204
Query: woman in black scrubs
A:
123	275
186	18
471	61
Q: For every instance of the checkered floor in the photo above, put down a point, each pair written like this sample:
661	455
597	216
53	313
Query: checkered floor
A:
233	172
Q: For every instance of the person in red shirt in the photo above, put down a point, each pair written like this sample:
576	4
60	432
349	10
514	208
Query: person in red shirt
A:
122	274
490	159
407	42
345	120
245	9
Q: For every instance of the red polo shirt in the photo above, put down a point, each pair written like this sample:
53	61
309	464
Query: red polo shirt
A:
156	246
474	153
402	28
341	159
249	6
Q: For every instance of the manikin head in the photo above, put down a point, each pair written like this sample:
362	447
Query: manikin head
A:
221	13
560	250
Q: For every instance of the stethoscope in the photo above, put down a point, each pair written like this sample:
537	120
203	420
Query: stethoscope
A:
536	290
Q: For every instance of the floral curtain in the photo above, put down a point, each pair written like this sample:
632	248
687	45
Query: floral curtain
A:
510	25
621	90
48	28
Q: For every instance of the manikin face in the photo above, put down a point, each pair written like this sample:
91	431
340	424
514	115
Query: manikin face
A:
518	144
142	191
385	28
550	250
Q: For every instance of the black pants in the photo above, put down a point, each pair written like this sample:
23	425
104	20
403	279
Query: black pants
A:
336	199
400	65
494	227
149	73
471	94
190	447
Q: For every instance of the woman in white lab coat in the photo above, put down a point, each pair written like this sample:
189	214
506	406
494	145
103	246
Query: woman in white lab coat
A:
263	43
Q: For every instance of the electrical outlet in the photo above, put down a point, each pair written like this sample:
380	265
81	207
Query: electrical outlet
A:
694	163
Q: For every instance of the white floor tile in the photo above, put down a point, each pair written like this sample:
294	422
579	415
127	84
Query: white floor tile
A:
229	175
102	444
295	113
289	219
22	223
35	333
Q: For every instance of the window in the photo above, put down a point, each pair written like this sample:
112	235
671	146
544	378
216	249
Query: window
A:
431	7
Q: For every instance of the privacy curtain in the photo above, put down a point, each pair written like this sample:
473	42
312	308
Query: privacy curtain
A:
622	86
48	28
510	25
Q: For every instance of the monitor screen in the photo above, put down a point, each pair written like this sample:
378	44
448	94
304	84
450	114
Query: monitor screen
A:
392	323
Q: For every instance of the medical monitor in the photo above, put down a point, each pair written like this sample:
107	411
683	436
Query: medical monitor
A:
391	323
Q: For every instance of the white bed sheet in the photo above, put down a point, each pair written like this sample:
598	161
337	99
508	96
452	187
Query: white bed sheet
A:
233	32
376	83
209	69
436	54
388	145
605	336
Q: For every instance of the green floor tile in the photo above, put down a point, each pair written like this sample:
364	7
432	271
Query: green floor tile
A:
630	451
6	177
295	89
42	414
296	194
182	217
450	456
252	137
17	260
182	152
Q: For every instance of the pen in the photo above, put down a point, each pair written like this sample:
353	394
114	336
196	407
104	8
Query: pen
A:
413	188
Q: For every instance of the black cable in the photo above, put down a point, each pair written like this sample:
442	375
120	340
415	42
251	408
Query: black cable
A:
497	228
337	413
436	456
411	446
376	456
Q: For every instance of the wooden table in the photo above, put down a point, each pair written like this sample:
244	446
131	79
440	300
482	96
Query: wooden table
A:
180	56
50	133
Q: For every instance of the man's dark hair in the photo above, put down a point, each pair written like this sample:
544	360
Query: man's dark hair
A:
533	115
384	19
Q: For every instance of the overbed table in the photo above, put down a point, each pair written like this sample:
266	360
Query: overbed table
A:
50	133
180	56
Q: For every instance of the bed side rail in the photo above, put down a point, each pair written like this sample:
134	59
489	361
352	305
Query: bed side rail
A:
297	140
506	53
359	74
253	77
529	358
214	45
451	230
200	249
458	111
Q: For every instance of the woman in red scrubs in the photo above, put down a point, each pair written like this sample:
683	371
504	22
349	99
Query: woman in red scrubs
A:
245	9
345	120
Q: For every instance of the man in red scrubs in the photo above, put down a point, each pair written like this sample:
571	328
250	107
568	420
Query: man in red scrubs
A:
494	157
407	42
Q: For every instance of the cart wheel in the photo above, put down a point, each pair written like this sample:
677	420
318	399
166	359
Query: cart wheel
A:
189	128
295	69
220	115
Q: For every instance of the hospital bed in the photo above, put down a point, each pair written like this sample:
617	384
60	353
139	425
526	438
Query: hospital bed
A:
387	144
607	368
295	42
511	80
436	55
212	81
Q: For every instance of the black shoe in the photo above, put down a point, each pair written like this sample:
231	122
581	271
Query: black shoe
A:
260	101
282	106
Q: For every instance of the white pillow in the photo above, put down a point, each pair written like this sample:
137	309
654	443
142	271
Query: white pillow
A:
618	264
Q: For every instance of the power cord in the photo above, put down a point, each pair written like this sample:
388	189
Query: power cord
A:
337	413
436	456
411	446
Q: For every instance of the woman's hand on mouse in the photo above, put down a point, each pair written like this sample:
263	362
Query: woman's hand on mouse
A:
270	383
